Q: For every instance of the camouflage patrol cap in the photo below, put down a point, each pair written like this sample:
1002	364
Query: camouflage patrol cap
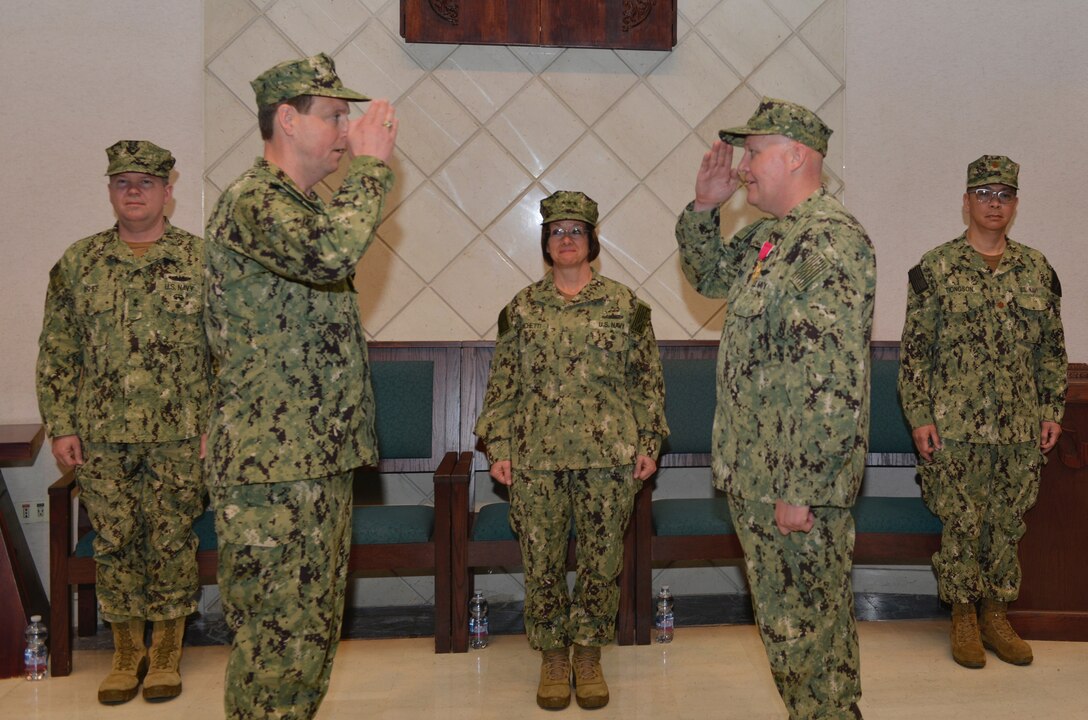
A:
568	205
781	117
138	156
314	75
992	169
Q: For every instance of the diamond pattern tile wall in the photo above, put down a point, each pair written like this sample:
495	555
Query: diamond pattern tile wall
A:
316	25
482	179
536	127
590	81
488	131
432	125
745	32
377	64
483	77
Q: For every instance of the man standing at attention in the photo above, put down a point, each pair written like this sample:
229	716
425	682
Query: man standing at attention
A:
982	380
123	388
792	420
293	412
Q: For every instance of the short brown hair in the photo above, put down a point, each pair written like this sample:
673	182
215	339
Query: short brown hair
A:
266	114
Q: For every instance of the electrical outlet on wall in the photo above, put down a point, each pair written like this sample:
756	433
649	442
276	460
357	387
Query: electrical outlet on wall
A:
32	511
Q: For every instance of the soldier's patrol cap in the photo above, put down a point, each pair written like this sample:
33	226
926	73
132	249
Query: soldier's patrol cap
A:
139	156
781	117
568	205
315	75
993	170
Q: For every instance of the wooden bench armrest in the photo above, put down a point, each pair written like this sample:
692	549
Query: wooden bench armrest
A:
61	493
65	484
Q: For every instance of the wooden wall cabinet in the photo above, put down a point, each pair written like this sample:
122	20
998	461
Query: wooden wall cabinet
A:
617	24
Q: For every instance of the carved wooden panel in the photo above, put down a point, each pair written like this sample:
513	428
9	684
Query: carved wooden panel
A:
623	24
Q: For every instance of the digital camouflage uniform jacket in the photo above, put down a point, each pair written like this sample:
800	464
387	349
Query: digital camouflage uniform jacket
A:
574	384
983	353
792	419
293	398
122	356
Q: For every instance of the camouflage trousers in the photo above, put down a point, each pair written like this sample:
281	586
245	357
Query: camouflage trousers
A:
804	607
142	499
542	505
283	567
980	493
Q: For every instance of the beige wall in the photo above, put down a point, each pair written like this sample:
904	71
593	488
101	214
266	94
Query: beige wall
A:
934	85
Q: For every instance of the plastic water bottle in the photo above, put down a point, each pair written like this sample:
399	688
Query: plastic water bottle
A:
664	619
36	655
477	621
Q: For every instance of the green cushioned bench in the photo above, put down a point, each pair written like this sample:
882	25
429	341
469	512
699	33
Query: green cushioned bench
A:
697	516
890	530
416	388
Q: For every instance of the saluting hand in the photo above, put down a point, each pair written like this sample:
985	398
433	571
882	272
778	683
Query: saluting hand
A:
717	179
375	132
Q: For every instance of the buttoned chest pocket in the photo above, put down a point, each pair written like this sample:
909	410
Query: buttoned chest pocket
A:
962	320
188	302
97	306
960	303
182	317
540	346
1030	312
602	351
746	328
748	304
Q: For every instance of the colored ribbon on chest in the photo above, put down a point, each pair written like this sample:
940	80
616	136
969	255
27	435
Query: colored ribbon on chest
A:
763	253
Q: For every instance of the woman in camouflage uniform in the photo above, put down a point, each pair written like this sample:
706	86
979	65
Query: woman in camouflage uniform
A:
573	420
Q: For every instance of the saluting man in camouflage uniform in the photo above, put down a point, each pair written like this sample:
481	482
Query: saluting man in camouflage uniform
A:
123	388
573	420
792	418
982	381
293	414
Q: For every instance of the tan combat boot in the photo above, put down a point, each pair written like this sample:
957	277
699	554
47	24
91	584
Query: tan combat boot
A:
966	643
999	636
163	681
590	689
129	663
553	693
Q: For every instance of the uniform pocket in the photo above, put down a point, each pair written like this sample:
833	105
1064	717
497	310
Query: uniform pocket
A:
964	302
183	312
184	303
98	307
748	304
1030	311
600	351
